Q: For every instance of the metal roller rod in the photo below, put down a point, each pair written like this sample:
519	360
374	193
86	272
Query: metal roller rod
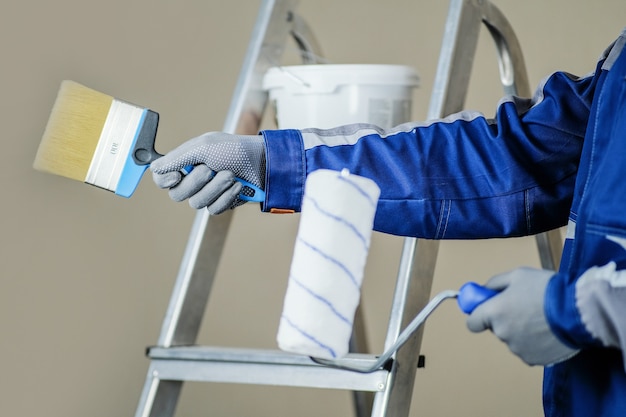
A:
400	341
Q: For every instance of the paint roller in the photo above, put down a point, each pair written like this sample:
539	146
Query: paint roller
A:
324	285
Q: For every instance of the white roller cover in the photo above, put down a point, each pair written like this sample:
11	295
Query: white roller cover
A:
330	252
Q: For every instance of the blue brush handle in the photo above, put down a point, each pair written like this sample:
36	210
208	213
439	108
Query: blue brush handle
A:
471	295
258	197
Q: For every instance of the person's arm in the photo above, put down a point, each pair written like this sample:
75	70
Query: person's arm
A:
465	176
545	317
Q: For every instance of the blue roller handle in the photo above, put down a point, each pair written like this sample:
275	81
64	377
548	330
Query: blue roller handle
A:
258	196
471	295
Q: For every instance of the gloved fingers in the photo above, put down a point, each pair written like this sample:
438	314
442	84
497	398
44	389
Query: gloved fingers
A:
210	192
167	180
480	319
501	281
192	183
184	155
516	316
227	200
523	274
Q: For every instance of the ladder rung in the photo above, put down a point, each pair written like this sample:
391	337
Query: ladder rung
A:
260	366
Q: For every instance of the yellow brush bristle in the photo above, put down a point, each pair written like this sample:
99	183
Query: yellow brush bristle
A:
71	136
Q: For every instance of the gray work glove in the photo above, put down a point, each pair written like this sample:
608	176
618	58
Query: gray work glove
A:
217	158
516	316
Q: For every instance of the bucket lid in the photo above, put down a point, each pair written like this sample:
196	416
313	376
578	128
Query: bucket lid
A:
326	78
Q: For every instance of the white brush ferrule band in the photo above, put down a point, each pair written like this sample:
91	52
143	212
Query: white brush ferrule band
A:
118	135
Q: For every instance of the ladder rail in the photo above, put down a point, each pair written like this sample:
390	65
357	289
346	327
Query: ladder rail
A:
206	241
208	233
310	50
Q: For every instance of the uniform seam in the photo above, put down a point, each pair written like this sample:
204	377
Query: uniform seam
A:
444	218
527	210
445	229
440	220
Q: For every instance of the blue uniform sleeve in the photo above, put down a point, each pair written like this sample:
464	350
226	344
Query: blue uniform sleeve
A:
465	176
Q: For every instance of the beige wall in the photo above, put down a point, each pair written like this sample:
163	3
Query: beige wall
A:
85	276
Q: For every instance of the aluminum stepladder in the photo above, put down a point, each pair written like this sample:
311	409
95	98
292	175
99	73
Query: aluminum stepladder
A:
386	392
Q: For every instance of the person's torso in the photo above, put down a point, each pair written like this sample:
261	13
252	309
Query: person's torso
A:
594	382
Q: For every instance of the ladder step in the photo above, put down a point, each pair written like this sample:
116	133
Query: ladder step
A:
260	366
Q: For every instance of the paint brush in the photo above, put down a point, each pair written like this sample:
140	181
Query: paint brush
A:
103	141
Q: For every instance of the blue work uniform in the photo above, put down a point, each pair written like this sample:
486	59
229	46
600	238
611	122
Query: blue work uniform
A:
540	163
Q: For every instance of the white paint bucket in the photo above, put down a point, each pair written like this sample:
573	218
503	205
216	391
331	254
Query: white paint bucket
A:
326	96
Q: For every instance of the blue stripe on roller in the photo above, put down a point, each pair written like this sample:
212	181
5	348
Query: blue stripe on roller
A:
310	337
332	260
131	173
338	219
324	300
358	188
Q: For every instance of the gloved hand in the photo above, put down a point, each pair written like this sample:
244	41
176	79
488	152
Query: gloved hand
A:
217	159
516	316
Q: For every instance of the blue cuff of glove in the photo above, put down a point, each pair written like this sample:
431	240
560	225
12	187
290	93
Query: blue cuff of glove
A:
563	316
285	171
